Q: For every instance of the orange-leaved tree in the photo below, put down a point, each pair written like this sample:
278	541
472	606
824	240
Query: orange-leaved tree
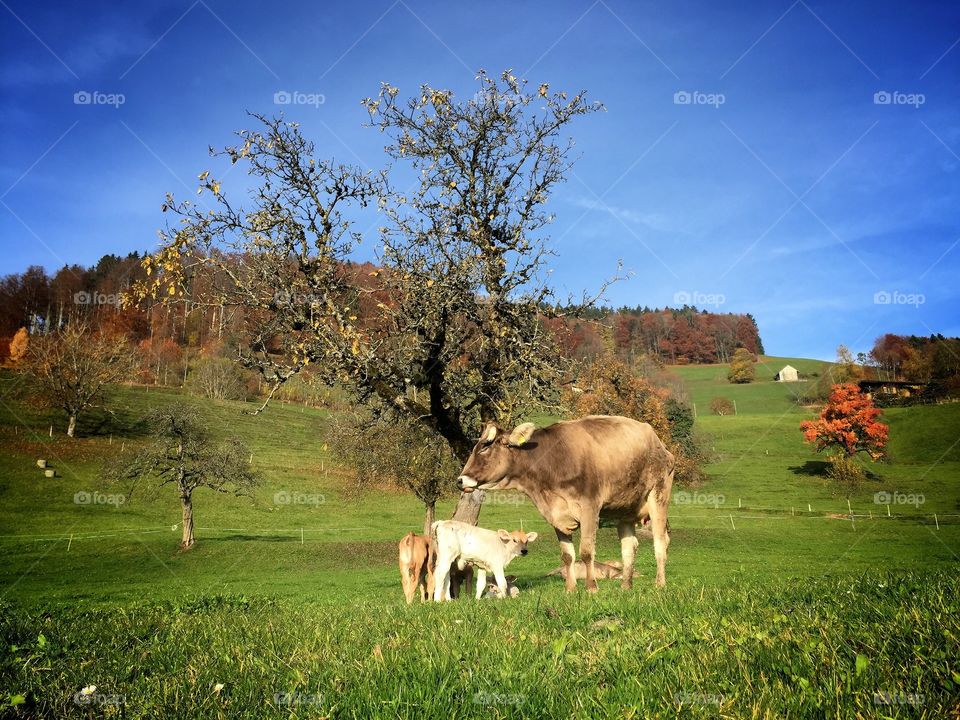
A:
848	425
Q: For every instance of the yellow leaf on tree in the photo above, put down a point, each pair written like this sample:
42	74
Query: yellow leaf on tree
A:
356	346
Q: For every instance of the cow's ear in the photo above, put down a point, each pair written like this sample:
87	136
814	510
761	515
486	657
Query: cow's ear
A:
531	537
520	434
504	535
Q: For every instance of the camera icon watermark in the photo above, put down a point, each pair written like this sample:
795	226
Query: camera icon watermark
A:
95	97
95	298
296	97
684	497
697	298
899	498
285	497
505	499
297	698
895	297
290	298
701	699
482	97
895	97
491	698
887	697
695	97
83	497
90	697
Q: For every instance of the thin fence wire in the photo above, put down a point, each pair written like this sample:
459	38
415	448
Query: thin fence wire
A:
722	514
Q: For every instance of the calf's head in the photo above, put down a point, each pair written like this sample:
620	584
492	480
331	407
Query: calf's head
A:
516	542
491	465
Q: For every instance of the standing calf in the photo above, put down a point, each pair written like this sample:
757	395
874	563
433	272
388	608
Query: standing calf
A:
416	566
488	550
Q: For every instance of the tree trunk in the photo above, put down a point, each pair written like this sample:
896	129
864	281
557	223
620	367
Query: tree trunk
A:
429	513
468	507
72	426
187	503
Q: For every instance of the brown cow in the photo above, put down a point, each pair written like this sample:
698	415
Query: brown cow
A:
417	561
578	473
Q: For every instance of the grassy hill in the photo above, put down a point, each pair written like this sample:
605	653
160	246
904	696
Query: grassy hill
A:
768	579
763	396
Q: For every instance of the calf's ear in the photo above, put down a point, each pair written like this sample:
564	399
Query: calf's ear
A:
531	537
504	535
520	434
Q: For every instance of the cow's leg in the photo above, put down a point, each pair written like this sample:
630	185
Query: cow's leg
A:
441	589
567	557
481	582
627	533
588	542
661	537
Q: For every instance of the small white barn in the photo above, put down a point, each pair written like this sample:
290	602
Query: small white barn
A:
787	374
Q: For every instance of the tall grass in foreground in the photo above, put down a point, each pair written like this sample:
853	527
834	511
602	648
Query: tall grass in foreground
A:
877	645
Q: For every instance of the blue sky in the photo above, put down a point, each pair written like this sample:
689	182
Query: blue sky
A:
745	161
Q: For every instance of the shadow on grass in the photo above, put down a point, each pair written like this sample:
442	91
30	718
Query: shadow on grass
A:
821	469
119	422
811	468
258	538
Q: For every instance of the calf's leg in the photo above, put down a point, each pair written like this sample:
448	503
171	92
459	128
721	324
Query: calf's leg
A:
627	533
501	582
481	582
567	557
442	579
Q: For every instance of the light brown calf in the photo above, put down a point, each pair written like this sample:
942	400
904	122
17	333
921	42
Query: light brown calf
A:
417	561
610	570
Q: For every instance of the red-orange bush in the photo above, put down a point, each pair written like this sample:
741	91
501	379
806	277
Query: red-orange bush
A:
848	423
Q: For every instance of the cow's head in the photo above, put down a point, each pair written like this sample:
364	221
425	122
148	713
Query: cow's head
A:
491	462
516	542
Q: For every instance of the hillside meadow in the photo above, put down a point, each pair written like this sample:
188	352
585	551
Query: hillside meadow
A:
782	599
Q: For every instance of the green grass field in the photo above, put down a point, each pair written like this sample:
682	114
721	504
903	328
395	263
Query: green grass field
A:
778	604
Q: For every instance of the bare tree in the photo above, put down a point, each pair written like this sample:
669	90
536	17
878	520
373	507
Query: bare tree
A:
70	368
216	378
182	453
410	456
448	330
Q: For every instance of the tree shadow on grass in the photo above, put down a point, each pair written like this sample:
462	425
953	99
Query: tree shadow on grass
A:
821	469
811	468
258	538
119	422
